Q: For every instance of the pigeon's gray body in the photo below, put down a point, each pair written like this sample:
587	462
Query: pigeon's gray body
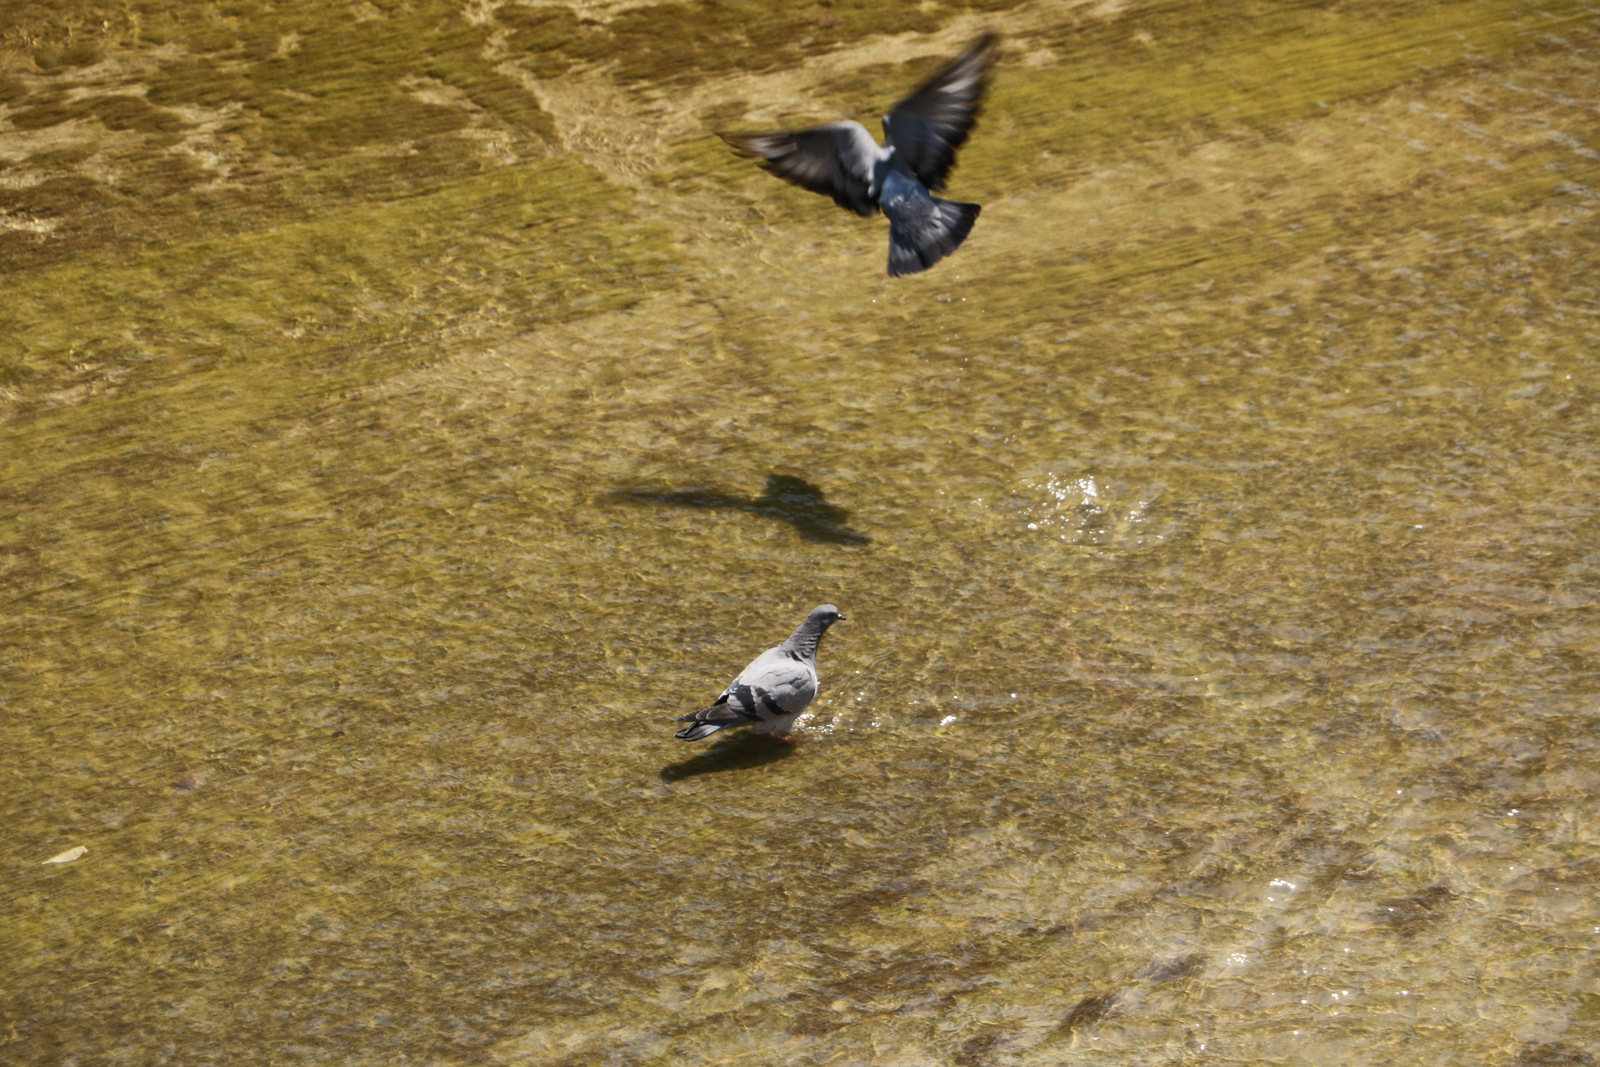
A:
772	692
921	136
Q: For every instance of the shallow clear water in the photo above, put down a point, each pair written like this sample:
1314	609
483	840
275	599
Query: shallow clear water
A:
409	411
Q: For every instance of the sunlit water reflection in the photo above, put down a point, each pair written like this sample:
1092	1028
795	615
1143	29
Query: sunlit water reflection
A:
409	411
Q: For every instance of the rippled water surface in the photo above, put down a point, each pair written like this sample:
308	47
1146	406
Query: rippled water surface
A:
409	409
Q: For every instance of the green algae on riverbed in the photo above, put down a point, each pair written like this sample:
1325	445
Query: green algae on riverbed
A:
1219	674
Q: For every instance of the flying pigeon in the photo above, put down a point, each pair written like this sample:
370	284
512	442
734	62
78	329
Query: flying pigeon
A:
920	138
770	693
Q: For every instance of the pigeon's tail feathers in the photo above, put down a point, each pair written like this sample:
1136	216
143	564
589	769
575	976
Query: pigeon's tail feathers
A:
700	730
708	721
918	241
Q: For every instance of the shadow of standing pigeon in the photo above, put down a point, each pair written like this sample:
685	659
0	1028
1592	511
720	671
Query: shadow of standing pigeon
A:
793	500
739	755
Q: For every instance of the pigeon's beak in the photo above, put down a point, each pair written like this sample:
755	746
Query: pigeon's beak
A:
839	619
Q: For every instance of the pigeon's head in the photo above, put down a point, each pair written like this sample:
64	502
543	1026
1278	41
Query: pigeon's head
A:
824	616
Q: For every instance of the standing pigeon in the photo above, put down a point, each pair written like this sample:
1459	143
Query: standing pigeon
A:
920	138
770	693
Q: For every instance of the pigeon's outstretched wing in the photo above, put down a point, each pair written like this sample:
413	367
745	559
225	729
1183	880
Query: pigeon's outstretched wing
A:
835	160
927	127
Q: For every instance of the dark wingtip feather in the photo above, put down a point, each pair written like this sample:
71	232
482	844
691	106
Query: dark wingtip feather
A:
986	50
741	143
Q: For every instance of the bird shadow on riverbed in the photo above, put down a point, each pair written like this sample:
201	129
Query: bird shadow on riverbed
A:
740	754
790	499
